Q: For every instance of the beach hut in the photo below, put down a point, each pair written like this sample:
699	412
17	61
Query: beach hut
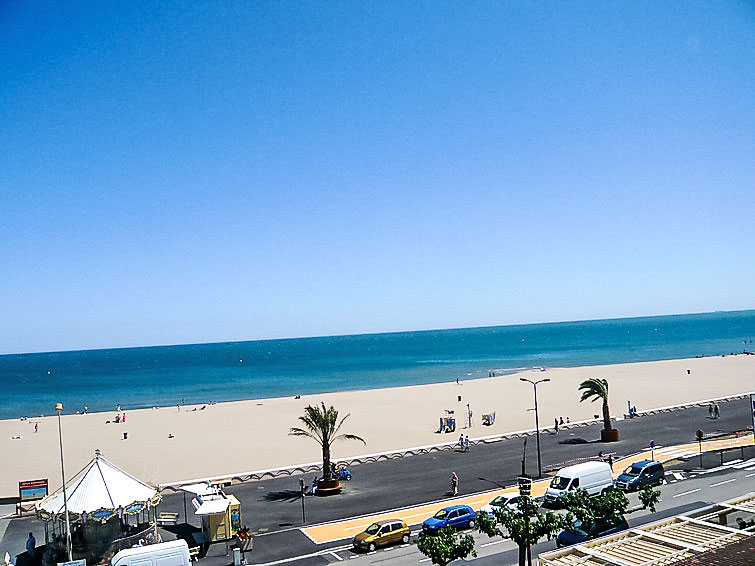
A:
220	512
100	499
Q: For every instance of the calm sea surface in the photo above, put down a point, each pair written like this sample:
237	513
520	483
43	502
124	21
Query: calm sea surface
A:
31	384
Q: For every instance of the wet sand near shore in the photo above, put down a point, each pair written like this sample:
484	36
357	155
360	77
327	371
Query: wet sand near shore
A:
167	444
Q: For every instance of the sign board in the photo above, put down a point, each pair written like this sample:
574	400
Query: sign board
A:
73	563
32	490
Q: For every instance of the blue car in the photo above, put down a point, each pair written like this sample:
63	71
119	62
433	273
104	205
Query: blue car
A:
457	516
580	532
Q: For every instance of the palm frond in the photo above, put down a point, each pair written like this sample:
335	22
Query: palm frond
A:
594	388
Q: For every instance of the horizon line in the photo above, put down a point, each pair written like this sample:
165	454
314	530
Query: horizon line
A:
378	333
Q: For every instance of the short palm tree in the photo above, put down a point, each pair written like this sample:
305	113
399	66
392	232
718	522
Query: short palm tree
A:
596	388
322	425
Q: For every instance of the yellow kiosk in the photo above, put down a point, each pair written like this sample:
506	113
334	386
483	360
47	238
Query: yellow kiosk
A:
220	513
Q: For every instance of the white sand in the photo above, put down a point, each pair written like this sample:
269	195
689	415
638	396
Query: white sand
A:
229	438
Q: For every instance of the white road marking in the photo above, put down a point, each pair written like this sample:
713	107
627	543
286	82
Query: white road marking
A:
687	492
723	482
750	475
492	543
336	556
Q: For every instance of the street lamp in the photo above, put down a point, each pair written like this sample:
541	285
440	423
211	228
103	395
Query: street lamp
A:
59	408
537	423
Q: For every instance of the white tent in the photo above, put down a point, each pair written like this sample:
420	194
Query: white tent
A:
100	486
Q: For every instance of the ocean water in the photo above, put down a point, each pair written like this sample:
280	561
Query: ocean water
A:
31	384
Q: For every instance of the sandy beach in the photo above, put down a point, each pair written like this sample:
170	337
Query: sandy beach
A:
228	438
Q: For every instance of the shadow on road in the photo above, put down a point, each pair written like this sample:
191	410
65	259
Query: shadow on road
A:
283	495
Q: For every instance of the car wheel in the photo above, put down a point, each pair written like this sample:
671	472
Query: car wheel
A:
371	548
405	539
471	524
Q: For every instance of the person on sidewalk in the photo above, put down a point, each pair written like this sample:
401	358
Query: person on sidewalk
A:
31	546
466	443
454	483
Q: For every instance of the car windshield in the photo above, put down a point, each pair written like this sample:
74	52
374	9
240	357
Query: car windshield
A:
499	501
559	483
441	514
372	529
579	528
632	471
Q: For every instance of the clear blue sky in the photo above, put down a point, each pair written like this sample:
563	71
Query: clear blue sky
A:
176	172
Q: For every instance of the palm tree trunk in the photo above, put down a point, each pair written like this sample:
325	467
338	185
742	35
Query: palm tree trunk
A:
326	475
606	416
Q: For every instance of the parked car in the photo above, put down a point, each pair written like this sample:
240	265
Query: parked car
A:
382	533
457	516
580	532
508	501
593	477
641	474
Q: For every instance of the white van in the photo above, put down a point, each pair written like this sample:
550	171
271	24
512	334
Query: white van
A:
594	477
173	553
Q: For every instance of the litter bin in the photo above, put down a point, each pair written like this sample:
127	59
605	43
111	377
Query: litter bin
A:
236	556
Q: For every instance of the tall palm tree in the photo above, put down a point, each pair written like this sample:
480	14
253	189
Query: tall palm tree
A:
322	425
596	388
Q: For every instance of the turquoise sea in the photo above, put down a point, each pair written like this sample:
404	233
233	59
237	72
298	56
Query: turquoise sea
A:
166	375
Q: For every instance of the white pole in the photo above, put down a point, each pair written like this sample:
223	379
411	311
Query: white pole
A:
59	408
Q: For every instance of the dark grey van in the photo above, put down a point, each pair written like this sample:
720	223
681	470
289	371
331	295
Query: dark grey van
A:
641	474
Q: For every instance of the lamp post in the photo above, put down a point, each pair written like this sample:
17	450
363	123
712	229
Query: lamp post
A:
59	408
537	422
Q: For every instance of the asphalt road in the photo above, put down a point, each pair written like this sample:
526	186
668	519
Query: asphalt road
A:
678	497
272	508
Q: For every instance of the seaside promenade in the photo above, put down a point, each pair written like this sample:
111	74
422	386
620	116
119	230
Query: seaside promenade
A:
271	507
173	444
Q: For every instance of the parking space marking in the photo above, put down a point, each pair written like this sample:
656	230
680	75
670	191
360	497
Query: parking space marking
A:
492	543
687	492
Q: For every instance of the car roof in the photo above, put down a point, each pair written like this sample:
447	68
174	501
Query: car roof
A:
643	463
382	522
454	507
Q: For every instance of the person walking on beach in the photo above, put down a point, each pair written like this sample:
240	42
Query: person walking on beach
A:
454	483
560	420
466	443
461	442
36	427
555	425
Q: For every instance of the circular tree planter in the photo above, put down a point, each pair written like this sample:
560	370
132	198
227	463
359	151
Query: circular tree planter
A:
609	435
330	487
